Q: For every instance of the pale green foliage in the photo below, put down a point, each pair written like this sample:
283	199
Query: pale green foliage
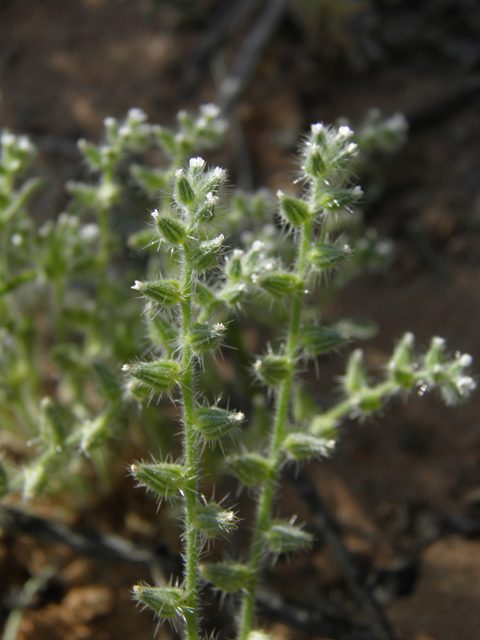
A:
195	289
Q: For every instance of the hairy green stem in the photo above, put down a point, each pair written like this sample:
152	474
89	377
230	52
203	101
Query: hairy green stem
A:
191	536
277	435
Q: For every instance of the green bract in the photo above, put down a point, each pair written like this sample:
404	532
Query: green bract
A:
213	423
160	375
167	602
229	577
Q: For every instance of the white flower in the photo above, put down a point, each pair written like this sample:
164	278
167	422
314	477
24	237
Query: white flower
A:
196	163
210	110
89	232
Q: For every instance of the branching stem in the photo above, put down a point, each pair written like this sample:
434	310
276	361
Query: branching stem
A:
277	435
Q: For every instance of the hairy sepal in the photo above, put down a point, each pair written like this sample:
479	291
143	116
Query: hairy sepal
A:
284	537
250	468
166	479
213	423
228	576
166	602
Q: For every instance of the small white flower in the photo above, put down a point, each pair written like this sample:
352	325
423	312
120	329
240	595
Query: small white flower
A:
357	192
465	360
317	128
155	215
210	198
8	139
89	232
24	144
345	132
17	239
258	245
139	286
196	163
210	110
465	384
125	131
202	123
137	115
219	173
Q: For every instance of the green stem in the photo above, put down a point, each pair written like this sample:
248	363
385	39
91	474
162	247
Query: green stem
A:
277	436
343	408
191	536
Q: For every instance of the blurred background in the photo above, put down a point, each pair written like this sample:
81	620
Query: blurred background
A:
404	487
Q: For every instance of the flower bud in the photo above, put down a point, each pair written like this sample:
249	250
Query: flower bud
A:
213	520
402	362
273	369
214	179
317	339
325	256
205	255
304	445
250	468
435	356
337	200
183	191
164	292
356	375
167	602
160	375
206	211
205	337
233	265
233	294
324	426
294	210
283	537
315	165
279	283
213	423
170	229
228	576
164	478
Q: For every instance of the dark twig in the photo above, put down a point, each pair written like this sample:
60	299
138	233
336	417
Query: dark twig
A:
324	520
88	542
318	621
247	59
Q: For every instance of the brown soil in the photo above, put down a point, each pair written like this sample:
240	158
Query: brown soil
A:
64	66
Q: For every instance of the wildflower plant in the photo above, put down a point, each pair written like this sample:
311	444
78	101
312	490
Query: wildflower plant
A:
194	290
211	284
